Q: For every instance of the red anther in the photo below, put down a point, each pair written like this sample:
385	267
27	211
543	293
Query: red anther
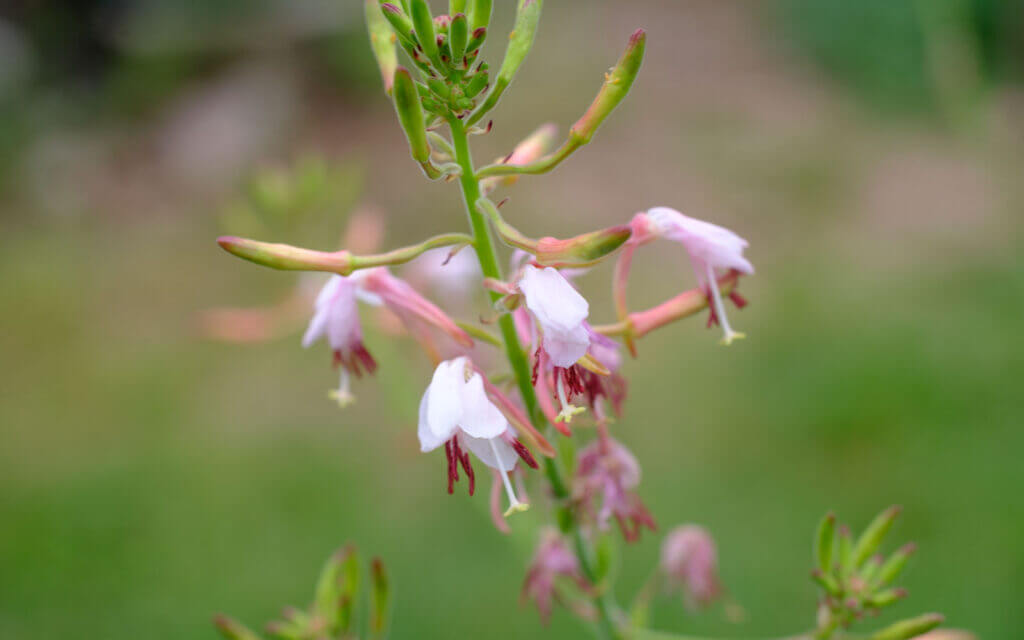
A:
712	318
451	467
336	358
524	453
468	467
737	299
503	201
536	368
490	123
365	357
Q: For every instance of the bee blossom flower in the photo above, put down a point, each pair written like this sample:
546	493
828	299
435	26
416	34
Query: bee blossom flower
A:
559	313
552	560
456	412
605	469
690	562
336	317
711	248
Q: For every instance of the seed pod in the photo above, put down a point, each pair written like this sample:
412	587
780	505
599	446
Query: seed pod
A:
872	537
410	114
614	89
824	542
906	629
458	36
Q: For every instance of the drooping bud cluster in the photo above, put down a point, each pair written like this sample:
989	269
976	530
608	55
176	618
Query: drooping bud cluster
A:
334	612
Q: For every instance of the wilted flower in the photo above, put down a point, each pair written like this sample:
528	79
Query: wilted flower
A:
336	317
456	412
553	560
689	561
608	472
710	248
560	314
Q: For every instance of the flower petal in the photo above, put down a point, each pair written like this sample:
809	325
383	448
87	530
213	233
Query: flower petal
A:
482	448
552	300
704	241
428	441
566	347
444	405
480	418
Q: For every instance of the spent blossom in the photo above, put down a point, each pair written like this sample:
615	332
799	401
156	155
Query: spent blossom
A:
711	249
553	560
606	474
689	561
456	412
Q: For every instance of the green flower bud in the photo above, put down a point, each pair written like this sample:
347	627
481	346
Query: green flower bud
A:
456	6
906	629
286	257
382	42
458	37
330	586
479	14
423	24
400	22
872	537
824	542
886	598
892	567
827	582
616	86
519	44
476	40
845	551
476	84
380	598
410	115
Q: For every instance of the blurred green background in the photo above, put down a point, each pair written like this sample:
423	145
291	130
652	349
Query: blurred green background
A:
150	477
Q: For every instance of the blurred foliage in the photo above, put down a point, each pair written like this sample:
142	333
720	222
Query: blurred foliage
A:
892	51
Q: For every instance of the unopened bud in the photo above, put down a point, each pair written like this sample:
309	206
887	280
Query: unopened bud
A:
232	629
616	86
400	22
458	36
892	567
479	14
382	42
690	562
410	115
827	582
582	250
824	542
886	598
380	598
286	257
872	537
845	551
423	24
912	628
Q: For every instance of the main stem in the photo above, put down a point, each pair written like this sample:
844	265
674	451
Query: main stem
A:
604	602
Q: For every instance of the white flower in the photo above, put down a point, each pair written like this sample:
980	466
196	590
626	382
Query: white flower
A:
710	247
336	317
456	412
560	311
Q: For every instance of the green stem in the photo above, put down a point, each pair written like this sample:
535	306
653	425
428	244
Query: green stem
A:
484	245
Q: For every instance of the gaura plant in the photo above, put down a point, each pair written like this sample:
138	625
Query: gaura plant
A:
563	368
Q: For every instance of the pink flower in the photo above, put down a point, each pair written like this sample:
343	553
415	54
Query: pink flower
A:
336	317
553	560
562	336
711	249
690	562
456	412
608	472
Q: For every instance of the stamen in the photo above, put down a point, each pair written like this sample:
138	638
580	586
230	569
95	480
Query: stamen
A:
716	298
514	506
568	409
342	395
451	466
524	453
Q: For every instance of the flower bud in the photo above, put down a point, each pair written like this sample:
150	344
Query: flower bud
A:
825	541
382	42
519	44
479	15
410	115
336	590
458	36
423	24
827	582
871	539
912	628
886	598
286	257
380	598
845	551
616	86
232	629
582	250
400	22
892	567
690	561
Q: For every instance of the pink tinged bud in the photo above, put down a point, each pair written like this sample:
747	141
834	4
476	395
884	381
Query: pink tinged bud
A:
583	250
456	412
711	249
553	560
286	257
616	85
689	560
